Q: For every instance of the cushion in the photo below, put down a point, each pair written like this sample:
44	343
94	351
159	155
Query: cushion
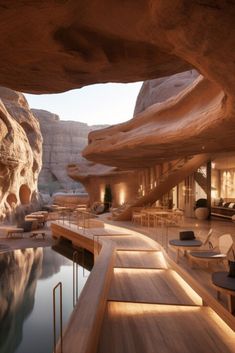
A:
231	272
231	205
226	204
187	235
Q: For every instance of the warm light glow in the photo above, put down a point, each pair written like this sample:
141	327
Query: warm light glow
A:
160	259
102	194
187	289
222	324
127	309
142	309
137	271
122	197
214	194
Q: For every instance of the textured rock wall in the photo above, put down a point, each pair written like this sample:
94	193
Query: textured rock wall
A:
161	89
124	41
20	152
63	142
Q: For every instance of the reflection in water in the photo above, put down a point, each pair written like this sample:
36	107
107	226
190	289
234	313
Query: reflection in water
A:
19	271
27	278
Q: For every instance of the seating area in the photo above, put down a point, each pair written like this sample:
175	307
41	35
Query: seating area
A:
183	244
212	256
224	210
216	254
157	216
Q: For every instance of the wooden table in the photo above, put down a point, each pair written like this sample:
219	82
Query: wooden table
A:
10	231
156	215
225	284
184	245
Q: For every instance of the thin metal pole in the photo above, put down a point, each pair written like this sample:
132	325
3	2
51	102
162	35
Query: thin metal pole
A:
75	278
83	262
61	317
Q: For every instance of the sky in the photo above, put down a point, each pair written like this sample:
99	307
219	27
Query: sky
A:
109	103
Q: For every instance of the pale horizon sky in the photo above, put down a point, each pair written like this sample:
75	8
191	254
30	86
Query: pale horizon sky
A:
109	103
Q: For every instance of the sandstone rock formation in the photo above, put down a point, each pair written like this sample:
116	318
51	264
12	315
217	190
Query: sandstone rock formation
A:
89	42
161	89
189	123
63	142
20	152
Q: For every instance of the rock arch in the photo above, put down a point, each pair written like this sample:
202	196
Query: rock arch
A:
24	194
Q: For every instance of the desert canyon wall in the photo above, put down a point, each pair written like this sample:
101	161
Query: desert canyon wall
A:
20	152
111	41
63	142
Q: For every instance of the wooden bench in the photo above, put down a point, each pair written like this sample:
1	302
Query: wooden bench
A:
11	231
35	233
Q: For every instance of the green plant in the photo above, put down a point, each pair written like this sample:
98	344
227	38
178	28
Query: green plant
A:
201	203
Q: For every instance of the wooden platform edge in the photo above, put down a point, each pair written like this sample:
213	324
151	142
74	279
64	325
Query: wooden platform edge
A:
83	329
60	231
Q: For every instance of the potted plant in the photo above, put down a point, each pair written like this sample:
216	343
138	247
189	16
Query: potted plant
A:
108	197
201	209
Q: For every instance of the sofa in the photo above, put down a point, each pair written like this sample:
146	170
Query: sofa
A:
223	209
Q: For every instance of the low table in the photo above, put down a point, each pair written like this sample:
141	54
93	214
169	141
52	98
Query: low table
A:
10	231
35	233
185	245
226	285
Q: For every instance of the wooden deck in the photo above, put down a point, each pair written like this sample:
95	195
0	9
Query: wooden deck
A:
135	302
150	328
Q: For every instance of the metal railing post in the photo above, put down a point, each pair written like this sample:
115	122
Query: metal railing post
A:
75	278
61	317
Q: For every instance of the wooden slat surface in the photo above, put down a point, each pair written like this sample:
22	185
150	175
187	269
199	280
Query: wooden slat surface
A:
140	259
144	328
149	286
173	321
129	242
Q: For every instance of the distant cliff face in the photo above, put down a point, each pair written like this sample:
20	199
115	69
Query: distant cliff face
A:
63	142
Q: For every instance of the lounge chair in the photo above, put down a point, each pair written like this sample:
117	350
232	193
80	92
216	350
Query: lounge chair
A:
218	254
184	245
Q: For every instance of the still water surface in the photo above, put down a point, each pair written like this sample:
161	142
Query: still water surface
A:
27	278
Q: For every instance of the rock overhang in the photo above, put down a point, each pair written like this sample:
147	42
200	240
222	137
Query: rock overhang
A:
69	44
